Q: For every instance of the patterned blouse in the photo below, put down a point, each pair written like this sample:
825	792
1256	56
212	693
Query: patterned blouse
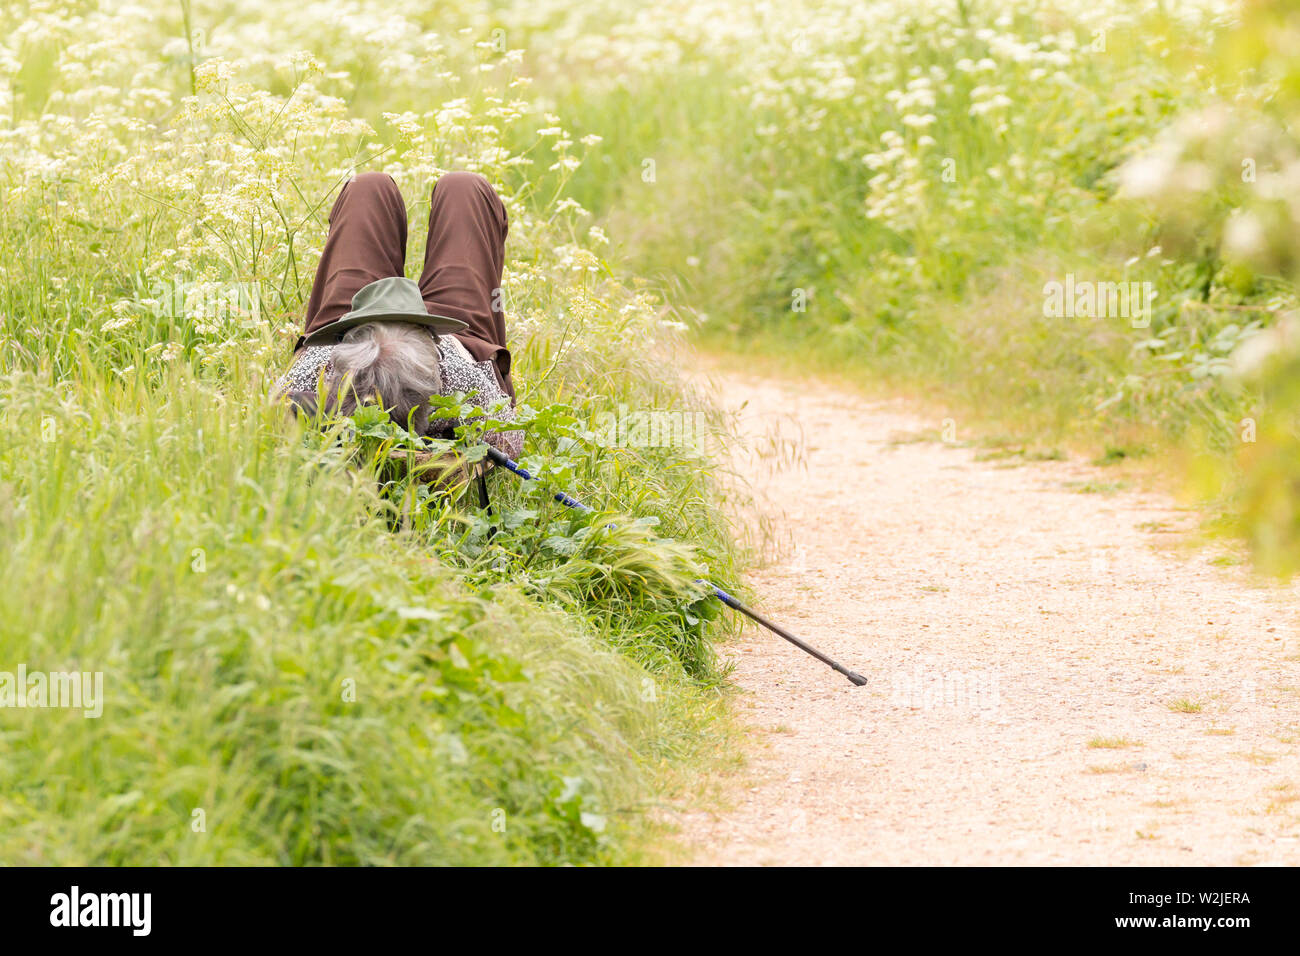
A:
460	373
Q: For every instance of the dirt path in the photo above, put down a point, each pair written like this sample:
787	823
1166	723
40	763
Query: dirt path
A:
1052	679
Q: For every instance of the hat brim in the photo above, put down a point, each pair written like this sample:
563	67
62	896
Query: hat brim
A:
330	334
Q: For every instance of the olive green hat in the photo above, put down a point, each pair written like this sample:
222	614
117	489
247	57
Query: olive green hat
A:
393	299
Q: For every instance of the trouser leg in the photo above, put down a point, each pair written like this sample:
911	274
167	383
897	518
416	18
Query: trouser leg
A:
367	241
463	260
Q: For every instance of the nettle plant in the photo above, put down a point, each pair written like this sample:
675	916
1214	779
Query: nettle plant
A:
645	590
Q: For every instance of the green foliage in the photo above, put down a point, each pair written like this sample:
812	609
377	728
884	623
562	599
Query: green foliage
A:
1226	177
889	188
643	588
916	174
309	655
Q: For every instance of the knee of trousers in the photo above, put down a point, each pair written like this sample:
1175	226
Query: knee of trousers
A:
461	182
373	182
462	179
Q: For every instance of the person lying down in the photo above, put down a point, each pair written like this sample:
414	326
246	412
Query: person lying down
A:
375	336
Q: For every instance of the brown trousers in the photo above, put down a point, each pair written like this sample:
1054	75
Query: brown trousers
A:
463	257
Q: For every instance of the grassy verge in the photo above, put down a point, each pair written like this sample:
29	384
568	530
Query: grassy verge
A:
305	657
893	191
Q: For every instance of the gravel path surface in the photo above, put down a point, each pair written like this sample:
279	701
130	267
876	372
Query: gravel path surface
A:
1053	679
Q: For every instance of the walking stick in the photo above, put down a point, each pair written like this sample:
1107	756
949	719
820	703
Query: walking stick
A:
571	502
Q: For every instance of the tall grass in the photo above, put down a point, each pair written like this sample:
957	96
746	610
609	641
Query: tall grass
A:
886	189
275	658
309	659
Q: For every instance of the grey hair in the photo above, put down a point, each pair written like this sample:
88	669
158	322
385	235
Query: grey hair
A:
395	364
